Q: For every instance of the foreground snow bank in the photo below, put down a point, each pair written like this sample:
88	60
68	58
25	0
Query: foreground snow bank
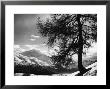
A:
92	72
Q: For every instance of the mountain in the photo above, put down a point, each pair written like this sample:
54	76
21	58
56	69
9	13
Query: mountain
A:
37	54
32	53
18	49
31	65
35	62
32	57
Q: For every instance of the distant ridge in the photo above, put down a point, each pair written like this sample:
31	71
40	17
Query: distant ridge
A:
37	54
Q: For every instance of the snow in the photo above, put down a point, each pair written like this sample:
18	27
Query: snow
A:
91	72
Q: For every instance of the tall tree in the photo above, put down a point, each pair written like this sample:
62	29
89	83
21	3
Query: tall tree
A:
71	33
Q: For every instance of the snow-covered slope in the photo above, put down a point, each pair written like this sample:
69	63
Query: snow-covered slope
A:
31	65
37	54
34	59
91	72
24	60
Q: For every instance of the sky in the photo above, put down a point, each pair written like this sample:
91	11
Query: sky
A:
25	30
26	34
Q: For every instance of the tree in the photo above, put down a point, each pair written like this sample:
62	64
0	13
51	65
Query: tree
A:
71	33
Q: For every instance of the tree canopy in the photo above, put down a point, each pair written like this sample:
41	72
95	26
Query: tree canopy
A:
69	32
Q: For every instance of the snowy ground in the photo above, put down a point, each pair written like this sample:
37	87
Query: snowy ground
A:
92	72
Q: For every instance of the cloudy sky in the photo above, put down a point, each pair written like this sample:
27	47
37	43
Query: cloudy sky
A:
26	33
25	30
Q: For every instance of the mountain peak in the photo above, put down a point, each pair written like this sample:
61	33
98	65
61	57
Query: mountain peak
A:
32	53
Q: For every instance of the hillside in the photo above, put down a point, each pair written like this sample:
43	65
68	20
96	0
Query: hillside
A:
30	64
33	62
91	72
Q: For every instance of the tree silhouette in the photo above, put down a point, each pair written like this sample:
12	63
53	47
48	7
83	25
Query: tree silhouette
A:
71	33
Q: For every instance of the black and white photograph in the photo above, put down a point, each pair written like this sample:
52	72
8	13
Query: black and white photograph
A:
55	44
61	44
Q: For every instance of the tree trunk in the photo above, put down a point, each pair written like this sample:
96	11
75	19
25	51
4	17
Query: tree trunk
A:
80	44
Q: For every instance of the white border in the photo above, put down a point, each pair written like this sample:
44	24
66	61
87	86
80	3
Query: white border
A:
100	10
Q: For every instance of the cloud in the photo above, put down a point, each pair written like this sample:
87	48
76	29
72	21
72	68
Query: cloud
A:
45	17
43	44
32	39
16	46
19	48
33	36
